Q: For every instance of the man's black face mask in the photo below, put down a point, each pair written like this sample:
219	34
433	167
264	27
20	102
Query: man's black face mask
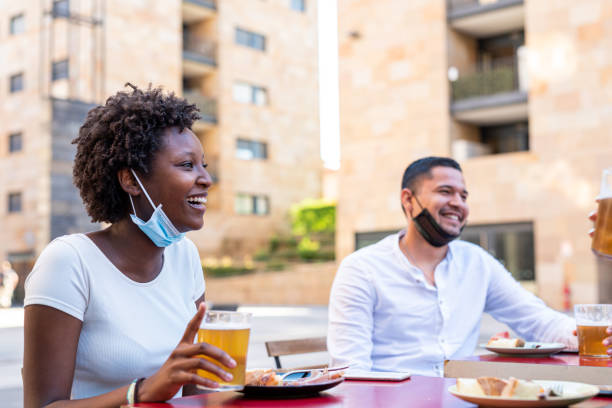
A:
430	230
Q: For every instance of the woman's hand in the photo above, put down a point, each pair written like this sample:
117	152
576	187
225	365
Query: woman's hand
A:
181	366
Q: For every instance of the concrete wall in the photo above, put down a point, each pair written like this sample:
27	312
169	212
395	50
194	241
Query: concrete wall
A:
393	106
305	284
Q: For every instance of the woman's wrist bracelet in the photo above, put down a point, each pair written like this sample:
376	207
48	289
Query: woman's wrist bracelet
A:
136	387
130	392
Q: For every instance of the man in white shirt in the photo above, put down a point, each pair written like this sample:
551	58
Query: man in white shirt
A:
416	298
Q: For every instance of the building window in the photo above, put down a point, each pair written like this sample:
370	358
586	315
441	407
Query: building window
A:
251	149
506	138
247	204
363	239
17	24
14	202
59	70
511	244
61	8
250	39
16	82
298	5
15	142
247	93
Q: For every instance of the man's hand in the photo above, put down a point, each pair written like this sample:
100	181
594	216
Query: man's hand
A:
608	340
592	217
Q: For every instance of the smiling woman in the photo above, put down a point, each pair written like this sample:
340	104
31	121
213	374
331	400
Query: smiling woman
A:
104	311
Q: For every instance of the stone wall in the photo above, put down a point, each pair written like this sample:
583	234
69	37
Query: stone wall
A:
392	112
302	284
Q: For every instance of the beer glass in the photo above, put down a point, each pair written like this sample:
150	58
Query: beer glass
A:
592	321
230	332
602	238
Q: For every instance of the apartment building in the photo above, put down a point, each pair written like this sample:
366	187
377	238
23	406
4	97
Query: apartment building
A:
518	91
251	67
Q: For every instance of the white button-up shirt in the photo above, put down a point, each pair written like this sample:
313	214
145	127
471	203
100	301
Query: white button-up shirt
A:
384	316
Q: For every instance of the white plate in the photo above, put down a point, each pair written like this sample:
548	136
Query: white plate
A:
573	392
529	349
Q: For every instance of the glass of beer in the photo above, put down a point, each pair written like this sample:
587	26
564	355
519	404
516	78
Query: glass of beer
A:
602	238
230	332
592	322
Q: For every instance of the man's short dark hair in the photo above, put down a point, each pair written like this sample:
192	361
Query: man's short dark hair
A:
422	168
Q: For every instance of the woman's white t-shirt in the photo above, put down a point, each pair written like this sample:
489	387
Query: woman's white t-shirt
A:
129	328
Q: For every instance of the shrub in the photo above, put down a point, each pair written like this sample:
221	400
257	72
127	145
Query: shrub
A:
308	248
275	265
312	216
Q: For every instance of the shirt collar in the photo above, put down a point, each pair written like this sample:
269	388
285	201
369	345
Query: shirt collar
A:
400	255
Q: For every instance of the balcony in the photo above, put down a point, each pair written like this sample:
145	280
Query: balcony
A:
486	18
199	55
198	10
492	93
207	107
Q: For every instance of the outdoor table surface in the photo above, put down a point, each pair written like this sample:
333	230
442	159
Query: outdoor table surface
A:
568	359
418	391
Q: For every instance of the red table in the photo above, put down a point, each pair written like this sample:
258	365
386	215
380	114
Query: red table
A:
417	392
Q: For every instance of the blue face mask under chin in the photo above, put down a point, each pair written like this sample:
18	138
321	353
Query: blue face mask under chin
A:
159	228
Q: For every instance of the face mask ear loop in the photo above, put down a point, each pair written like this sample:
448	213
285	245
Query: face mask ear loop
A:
133	208
143	189
418	202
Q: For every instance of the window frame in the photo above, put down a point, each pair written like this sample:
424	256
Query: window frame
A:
258	150
253	202
250	39
254	91
13	78
14	202
59	10
17	29
487	241
301	7
56	74
15	136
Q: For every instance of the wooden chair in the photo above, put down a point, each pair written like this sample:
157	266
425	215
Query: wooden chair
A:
298	346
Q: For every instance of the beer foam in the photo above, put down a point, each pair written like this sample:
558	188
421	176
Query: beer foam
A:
225	326
586	322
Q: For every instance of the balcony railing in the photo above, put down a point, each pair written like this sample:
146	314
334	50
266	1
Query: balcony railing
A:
198	48
211	4
206	105
461	8
498	76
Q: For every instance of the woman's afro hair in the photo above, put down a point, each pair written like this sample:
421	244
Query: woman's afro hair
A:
125	132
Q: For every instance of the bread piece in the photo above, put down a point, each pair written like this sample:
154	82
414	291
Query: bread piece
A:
496	342
528	389
469	386
492	386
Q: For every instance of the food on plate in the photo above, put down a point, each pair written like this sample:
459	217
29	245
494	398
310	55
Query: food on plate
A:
498	387
268	377
503	340
262	377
